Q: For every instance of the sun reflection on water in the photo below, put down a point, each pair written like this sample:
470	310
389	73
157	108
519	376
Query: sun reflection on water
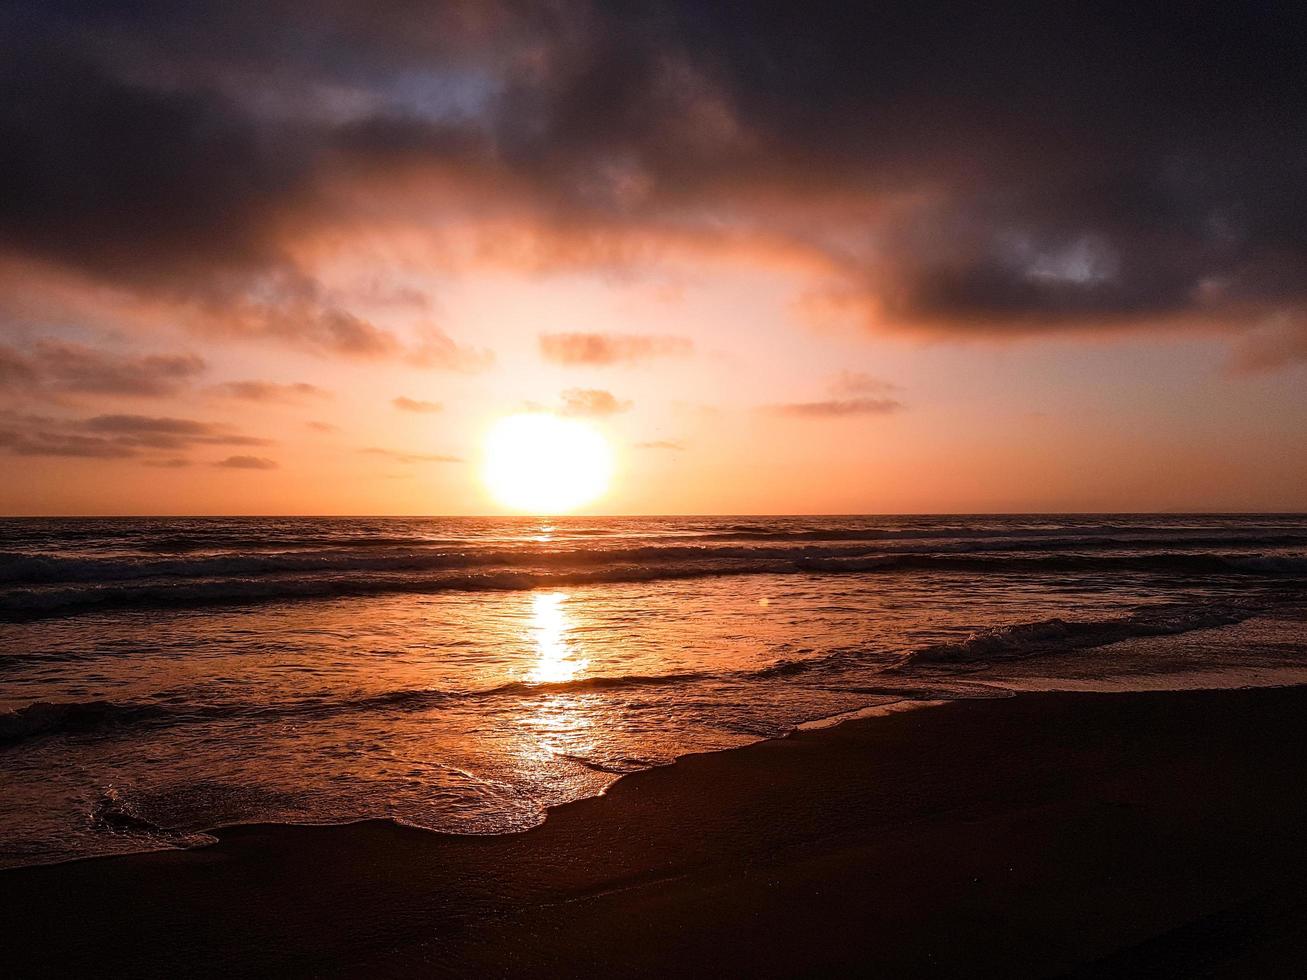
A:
550	624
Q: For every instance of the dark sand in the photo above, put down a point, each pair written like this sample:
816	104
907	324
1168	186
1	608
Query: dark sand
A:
1139	834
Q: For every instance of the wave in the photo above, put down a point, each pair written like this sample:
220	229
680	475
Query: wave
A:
29	603
1055	636
1015	642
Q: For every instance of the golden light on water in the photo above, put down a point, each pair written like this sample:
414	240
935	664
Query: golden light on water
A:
549	627
538	463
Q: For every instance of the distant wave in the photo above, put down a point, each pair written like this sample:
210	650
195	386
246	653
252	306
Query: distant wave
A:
410	555
1020	641
637	566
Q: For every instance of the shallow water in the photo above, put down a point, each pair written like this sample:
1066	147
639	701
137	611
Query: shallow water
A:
161	677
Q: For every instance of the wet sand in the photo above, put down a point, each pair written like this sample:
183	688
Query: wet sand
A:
1092	834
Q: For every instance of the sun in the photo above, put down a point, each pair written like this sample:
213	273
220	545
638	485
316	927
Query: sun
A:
538	463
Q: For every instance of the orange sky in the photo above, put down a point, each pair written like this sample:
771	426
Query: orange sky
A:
743	406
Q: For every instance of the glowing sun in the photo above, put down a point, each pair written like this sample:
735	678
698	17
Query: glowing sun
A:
542	464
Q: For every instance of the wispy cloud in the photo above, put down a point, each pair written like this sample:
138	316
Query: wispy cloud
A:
271	391
660	444
599	349
400	456
592	402
406	404
837	408
111	436
52	367
859	383
247	463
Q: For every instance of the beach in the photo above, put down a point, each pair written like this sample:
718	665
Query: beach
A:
1036	835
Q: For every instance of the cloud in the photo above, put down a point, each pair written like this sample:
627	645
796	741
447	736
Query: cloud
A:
247	463
111	436
1007	170
406	404
172	463
592	402
837	408
52	367
44	442
271	391
434	349
859	383
148	432
318	426
661	444
399	456
1279	344
604	349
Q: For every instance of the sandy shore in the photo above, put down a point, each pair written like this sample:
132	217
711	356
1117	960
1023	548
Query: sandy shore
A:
1139	834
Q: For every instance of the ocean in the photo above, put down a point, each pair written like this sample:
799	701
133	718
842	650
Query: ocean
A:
163	677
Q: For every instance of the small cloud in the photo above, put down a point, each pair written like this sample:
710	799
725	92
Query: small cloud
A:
592	402
1280	344
167	464
435	349
405	404
661	444
317	426
247	463
604	348
837	408
399	456
848	383
270	391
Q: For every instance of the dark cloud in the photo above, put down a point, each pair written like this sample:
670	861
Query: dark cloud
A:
1010	167
607	348
837	408
592	402
51	367
171	463
271	391
406	404
399	456
247	463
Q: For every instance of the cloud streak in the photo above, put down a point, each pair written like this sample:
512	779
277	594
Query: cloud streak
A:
117	436
271	391
402	456
406	404
247	463
603	349
55	367
837	408
592	403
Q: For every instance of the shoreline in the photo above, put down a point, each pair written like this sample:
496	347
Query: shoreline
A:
971	838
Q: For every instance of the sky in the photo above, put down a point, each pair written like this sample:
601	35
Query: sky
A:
297	258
